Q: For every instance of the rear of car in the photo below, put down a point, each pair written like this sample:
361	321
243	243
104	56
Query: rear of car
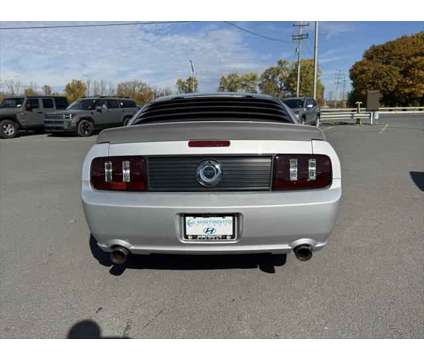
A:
306	109
211	174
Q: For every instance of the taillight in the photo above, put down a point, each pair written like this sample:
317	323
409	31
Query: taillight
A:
124	173
301	171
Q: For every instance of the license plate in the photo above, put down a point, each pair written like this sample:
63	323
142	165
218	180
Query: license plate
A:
204	227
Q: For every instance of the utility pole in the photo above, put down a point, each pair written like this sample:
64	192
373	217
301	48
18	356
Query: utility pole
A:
192	75
344	89
339	76
316	60
299	36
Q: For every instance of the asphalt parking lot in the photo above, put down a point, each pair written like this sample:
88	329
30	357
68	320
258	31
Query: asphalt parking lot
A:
368	282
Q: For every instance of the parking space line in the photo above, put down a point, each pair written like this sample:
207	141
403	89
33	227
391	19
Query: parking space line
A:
384	128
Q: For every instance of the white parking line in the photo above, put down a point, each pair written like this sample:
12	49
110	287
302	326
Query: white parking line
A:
384	128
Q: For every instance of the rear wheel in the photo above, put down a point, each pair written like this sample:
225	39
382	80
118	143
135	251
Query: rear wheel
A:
8	129
85	128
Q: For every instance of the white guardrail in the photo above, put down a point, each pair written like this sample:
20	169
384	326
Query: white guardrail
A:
381	110
352	114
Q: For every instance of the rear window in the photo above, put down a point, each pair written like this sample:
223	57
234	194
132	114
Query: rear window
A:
294	103
214	108
12	102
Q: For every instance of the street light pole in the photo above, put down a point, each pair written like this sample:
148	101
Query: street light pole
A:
316	60
192	75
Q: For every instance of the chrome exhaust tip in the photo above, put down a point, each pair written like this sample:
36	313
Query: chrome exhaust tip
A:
119	255
303	252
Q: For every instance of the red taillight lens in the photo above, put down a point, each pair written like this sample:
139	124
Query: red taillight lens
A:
209	143
124	173
301	171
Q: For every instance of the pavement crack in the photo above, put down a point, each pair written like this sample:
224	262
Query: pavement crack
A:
153	318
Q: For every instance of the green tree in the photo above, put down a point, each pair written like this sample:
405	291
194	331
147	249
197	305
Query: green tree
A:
395	68
234	82
273	81
306	79
75	89
187	86
138	90
29	91
230	82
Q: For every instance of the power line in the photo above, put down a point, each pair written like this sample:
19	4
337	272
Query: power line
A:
93	25
255	33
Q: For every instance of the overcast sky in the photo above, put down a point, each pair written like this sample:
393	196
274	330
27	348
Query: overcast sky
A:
159	54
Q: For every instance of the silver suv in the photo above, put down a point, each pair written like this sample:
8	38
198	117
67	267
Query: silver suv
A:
305	108
26	113
85	115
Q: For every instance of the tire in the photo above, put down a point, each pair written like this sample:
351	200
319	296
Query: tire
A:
8	129
85	128
303	121
128	118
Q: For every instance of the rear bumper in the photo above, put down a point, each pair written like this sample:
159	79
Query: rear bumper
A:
267	222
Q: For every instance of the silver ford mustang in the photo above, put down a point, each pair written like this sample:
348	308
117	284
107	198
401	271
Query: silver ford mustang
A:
211	174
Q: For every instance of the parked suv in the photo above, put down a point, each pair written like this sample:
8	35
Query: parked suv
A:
90	113
26	113
305	108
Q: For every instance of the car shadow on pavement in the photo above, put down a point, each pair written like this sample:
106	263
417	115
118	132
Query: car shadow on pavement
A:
265	262
89	329
418	179
69	134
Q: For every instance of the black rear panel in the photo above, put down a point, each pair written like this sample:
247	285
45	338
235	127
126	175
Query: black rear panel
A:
240	173
213	108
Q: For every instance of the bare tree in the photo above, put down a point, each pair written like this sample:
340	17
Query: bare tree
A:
47	90
14	87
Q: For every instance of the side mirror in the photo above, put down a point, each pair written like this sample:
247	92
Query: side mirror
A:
19	106
28	107
309	106
99	108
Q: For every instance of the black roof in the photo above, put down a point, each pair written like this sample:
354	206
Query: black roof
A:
34	96
106	97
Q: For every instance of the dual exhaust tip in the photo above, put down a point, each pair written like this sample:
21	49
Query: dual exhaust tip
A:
119	254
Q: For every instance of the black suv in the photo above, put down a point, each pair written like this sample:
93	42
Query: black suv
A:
87	114
26	113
